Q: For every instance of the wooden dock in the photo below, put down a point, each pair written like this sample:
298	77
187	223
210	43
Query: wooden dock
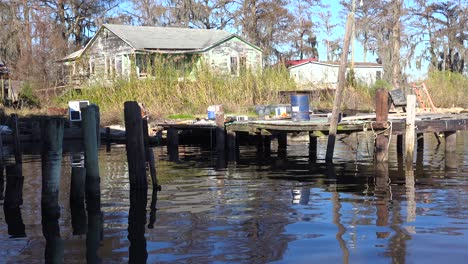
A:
264	131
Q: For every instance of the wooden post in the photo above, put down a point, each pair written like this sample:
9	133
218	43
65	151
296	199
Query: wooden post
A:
267	145
420	142
259	143
450	141
399	144
14	186
52	138
450	150
233	147
382	191
173	144
14	173
381	111
91	145
220	140
2	168
410	130
136	226
52	131
220	133
135	145
282	144
149	154
108	140
3	91
339	91
13	219
77	194
94	234
16	139
313	143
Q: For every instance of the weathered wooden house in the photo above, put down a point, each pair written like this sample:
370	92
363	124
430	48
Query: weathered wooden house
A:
123	50
314	72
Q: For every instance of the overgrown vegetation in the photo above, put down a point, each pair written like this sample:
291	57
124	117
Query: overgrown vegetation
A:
448	89
166	93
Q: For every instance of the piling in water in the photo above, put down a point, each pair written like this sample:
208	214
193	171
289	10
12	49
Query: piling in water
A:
91	144
136	226
77	194
381	111
135	145
52	136
410	130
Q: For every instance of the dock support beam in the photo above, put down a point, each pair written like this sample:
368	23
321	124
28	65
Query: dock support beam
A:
450	149
399	144
267	145
282	144
381	110
173	144
313	143
135	146
149	154
420	142
410	130
232	145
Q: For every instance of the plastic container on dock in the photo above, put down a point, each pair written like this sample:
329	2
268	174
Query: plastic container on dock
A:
300	107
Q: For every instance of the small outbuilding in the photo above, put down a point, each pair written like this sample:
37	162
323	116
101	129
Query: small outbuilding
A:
124	50
326	73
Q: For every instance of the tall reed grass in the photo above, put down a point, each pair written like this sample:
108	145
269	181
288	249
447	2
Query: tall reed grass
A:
167	92
448	89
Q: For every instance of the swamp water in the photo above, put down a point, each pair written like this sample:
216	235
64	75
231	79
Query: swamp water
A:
258	210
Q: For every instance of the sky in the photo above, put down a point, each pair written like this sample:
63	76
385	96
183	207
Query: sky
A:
413	73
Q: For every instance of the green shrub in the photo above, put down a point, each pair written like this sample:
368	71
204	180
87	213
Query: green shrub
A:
27	98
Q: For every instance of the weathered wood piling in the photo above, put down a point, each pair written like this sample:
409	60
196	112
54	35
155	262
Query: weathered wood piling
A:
135	145
77	194
410	130
382	138
90	116
52	136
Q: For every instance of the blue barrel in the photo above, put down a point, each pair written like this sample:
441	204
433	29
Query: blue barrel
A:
300	107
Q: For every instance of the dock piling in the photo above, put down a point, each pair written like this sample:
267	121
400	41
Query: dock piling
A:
149	154
282	144
420	142
313	143
173	144
381	111
410	130
2	167
450	149
232	145
135	145
108	140
399	144
52	135
77	194
90	139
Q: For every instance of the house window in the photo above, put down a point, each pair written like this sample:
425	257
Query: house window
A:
378	75
118	64
92	66
234	65
243	64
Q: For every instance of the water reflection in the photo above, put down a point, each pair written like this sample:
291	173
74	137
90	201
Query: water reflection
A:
283	209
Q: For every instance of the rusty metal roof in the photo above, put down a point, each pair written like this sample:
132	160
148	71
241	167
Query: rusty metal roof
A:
168	38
